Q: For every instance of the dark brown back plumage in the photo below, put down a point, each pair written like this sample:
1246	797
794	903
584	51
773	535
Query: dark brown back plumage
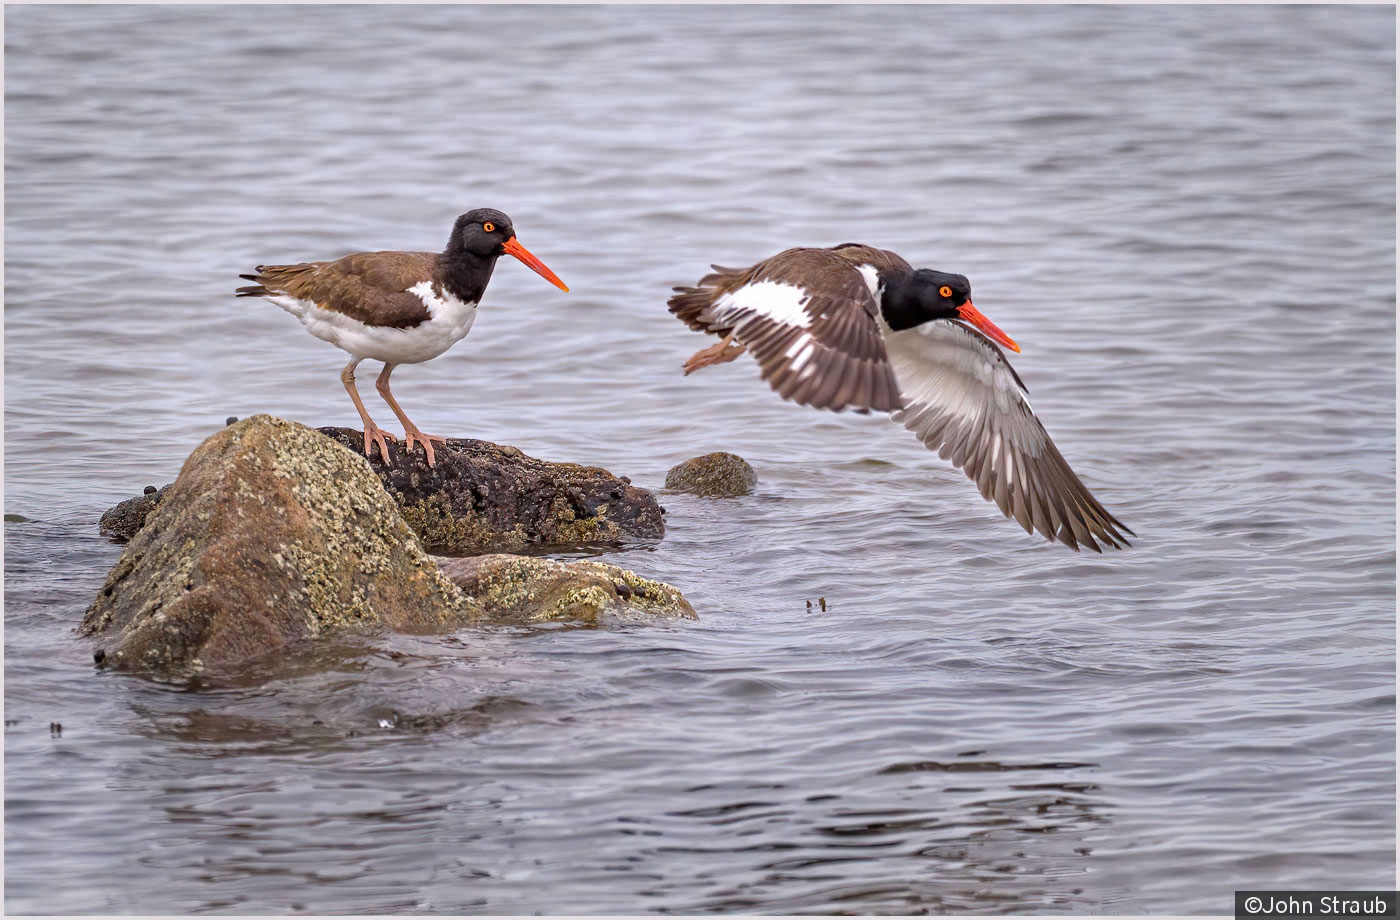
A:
371	287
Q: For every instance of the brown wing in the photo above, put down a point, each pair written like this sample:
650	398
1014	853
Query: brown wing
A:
963	400
372	287
809	318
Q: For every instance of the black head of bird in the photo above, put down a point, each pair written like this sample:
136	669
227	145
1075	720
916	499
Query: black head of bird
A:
913	298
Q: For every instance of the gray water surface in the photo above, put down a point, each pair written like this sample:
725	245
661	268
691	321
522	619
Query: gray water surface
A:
1186	217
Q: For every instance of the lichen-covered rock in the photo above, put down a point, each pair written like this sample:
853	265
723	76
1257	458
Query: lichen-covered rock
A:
529	588
126	518
484	498
272	534
716	475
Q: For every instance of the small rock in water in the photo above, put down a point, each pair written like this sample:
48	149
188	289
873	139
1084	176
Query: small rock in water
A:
717	475
232	419
17	519
126	519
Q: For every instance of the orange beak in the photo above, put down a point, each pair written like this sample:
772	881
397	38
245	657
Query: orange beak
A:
512	247
970	314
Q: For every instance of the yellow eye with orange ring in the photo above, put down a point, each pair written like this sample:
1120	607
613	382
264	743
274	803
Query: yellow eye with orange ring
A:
491	228
945	291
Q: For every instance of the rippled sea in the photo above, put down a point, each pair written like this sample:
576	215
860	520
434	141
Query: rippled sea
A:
1186	217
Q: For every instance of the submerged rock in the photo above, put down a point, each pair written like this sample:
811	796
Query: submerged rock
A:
533	589
483	497
272	534
716	475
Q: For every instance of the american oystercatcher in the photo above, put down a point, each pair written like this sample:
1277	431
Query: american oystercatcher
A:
857	327
396	307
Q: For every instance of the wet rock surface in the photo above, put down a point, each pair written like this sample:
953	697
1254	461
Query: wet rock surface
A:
482	497
528	588
271	535
716	475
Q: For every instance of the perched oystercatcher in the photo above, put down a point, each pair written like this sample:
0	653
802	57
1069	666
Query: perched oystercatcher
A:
857	327
396	307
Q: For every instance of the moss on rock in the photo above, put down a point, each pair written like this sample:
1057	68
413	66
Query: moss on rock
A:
272	534
533	589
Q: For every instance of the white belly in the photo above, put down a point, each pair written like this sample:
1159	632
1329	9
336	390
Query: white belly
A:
449	320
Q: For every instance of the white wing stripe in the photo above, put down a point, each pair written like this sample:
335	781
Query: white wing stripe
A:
773	300
801	352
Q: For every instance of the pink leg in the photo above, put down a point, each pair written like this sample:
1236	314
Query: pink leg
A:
727	350
373	433
410	430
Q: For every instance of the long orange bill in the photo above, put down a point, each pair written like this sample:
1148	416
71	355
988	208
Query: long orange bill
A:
970	314
512	247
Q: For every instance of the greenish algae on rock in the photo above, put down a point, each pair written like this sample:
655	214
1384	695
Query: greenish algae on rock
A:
716	475
532	589
271	535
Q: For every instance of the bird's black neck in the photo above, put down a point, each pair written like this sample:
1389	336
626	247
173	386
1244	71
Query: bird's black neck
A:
465	274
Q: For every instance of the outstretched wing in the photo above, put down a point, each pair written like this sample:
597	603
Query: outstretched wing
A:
810	320
962	399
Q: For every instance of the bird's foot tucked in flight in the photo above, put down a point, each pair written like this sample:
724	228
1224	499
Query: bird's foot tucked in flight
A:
726	350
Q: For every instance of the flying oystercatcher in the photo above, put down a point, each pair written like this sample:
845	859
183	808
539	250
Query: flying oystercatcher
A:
396	307
857	327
